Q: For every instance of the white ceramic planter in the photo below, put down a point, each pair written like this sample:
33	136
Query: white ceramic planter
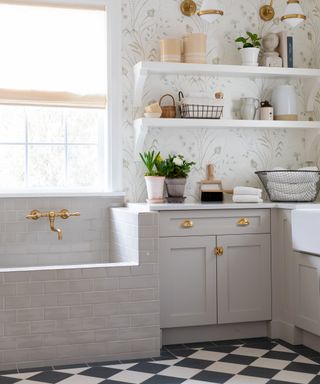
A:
155	185
250	56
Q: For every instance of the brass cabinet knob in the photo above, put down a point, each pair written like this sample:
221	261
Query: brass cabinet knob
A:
187	224
219	251
243	222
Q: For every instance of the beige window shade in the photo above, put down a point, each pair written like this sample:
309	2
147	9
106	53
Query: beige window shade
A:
53	56
57	99
57	4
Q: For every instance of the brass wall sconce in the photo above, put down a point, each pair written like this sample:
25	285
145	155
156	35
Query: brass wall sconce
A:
208	11
188	7
293	15
267	12
52	215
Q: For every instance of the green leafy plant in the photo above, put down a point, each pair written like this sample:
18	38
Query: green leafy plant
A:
175	167
153	163
252	41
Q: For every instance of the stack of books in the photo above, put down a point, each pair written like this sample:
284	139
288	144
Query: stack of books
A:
285	49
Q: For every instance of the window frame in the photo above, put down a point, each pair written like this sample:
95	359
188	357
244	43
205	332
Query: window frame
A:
113	183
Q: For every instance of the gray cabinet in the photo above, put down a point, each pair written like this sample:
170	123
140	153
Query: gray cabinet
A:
244	278
199	288
308	292
187	281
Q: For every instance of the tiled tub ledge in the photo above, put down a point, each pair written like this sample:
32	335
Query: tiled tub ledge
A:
98	312
66	267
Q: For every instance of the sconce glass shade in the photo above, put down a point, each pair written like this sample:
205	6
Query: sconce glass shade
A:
293	15
210	11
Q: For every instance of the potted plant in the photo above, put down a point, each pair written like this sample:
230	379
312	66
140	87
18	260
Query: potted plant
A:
250	48
176	170
153	177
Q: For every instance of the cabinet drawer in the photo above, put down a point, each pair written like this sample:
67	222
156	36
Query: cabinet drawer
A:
215	222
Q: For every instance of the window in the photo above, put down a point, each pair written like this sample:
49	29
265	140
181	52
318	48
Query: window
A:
55	121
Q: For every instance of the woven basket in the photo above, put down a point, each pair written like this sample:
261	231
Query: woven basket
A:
168	111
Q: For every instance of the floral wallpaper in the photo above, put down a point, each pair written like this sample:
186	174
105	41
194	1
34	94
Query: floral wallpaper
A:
236	153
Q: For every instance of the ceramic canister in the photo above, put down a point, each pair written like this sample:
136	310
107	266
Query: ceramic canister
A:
171	50
284	101
195	48
266	111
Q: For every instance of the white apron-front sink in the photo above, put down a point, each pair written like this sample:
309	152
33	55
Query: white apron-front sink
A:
306	230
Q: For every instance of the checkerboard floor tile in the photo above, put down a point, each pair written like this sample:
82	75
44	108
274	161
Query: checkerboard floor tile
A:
248	361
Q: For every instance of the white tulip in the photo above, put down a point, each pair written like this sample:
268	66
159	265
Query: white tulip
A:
178	161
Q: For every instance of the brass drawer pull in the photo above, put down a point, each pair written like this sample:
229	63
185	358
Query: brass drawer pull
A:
187	224
219	251
243	222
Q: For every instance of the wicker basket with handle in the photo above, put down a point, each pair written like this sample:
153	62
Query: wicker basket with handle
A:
168	111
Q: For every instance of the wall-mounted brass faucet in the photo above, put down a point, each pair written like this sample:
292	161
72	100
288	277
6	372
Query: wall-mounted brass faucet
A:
64	214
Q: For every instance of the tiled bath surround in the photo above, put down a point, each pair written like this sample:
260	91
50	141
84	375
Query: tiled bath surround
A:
29	243
53	317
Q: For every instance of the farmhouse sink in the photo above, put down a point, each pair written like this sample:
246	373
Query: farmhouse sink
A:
306	230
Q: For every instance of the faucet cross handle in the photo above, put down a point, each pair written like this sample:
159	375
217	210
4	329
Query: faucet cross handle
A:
65	214
34	215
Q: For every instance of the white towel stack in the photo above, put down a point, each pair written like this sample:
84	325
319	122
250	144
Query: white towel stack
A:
298	187
247	195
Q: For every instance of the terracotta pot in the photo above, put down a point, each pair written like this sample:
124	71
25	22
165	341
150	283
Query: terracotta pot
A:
155	185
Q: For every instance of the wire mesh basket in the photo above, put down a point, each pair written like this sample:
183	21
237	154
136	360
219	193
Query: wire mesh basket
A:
199	111
291	185
194	111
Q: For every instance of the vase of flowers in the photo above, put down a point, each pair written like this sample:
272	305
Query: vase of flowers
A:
153	177
176	170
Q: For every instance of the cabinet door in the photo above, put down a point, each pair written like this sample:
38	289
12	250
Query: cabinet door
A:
187	281
244	279
308	292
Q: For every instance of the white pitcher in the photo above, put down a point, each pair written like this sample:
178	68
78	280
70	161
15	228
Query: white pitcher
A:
249	107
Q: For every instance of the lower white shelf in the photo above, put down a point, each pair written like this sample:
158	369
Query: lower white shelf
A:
141	126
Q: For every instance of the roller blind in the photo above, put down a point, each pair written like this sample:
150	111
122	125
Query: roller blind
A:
53	55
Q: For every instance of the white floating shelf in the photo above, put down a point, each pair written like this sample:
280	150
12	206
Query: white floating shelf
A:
144	69
141	126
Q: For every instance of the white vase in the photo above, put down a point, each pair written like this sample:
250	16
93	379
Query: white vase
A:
155	185
284	100
250	56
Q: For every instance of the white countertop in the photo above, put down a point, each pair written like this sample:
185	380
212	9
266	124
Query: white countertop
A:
144	207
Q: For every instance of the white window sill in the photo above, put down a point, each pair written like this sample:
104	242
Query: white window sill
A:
59	194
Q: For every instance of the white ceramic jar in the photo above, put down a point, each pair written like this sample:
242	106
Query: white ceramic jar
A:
284	101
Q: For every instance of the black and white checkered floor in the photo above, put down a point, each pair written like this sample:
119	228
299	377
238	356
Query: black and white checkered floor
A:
247	361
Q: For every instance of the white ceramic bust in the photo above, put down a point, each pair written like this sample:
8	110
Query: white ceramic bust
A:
270	57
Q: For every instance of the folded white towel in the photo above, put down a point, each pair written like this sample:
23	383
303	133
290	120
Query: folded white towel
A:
247	191
292	188
246	199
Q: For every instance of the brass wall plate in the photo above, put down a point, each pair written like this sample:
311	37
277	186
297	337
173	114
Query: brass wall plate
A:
267	12
188	7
